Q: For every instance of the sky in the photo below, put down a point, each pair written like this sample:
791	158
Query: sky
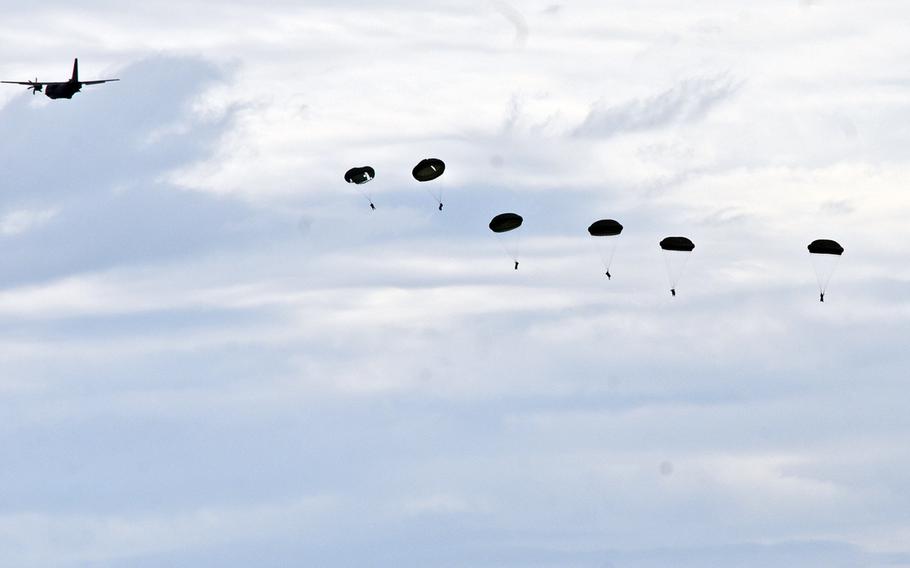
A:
215	354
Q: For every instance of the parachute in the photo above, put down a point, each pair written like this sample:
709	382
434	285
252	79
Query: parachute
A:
825	255
506	223
427	170
826	246
677	244
608	230
360	176
676	254
605	228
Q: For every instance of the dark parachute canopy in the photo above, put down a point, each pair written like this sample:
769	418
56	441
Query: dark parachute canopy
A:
825	246
681	244
428	169
605	228
359	175
505	222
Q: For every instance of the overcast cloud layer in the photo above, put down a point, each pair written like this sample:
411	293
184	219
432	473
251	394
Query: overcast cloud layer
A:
214	353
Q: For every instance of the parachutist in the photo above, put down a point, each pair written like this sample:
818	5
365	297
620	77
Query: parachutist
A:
606	230
503	223
440	206
825	254
677	251
373	207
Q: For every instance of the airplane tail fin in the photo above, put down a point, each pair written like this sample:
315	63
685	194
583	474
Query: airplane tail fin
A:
76	70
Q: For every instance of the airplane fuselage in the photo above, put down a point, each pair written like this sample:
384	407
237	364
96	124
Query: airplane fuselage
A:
63	90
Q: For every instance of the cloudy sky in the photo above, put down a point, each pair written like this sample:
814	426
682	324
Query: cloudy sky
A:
214	354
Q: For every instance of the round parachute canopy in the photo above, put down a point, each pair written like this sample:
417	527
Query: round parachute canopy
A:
825	246
428	169
605	228
681	244
359	175
505	222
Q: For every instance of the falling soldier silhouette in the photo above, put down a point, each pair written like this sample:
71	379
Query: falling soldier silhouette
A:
440	205
516	265
373	207
673	291
821	248
608	275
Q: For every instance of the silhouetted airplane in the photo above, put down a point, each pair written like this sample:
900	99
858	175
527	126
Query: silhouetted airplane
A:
64	90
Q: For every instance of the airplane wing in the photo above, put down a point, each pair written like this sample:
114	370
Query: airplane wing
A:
98	82
33	83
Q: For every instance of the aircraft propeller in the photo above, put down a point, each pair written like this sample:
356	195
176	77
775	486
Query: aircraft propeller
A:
35	86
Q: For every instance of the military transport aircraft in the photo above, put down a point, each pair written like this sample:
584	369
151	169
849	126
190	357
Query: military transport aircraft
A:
64	90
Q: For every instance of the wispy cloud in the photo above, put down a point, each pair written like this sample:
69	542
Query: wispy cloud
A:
687	102
510	13
24	220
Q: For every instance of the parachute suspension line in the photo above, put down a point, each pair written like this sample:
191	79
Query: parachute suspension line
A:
609	258
366	195
436	195
669	273
675	268
510	243
517	247
824	265
606	250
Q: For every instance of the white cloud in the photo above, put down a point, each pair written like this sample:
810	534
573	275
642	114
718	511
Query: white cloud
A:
37	539
23	220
